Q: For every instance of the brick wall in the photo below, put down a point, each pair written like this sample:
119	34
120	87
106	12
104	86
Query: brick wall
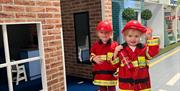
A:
107	5
68	8
95	15
48	13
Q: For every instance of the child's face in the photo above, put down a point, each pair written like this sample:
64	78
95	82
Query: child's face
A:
132	37
104	35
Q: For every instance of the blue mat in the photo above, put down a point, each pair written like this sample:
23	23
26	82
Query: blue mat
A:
80	84
34	85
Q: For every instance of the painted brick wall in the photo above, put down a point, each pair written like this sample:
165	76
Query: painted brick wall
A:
95	15
107	4
48	13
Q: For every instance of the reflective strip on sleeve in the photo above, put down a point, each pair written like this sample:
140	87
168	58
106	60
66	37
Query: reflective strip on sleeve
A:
152	42
109	56
103	57
115	61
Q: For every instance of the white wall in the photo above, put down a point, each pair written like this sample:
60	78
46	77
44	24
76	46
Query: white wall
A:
167	2
178	21
174	12
157	21
151	1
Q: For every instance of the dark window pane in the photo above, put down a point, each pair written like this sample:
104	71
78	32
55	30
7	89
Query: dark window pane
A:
22	37
2	53
81	23
3	80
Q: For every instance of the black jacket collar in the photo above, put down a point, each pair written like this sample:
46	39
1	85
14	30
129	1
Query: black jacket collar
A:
139	45
108	42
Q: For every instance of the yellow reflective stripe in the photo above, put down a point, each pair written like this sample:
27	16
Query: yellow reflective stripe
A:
109	55
125	90
152	42
115	61
105	82
148	89
122	65
147	54
103	57
142	61
135	64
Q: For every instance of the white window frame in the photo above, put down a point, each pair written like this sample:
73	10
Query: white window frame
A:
8	64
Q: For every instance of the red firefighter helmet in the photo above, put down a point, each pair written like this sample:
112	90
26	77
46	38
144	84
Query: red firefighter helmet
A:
134	24
105	25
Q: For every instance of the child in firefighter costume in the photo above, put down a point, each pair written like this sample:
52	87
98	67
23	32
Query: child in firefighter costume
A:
101	55
133	63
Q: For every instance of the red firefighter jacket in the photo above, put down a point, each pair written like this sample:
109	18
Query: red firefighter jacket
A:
103	73
133	66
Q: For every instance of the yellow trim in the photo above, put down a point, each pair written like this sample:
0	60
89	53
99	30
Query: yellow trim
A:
109	56
105	82
148	89
121	64
152	42
125	90
115	61
136	64
147	54
103	57
142	61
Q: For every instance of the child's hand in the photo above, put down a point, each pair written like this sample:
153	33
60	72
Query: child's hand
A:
149	33
117	49
97	59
